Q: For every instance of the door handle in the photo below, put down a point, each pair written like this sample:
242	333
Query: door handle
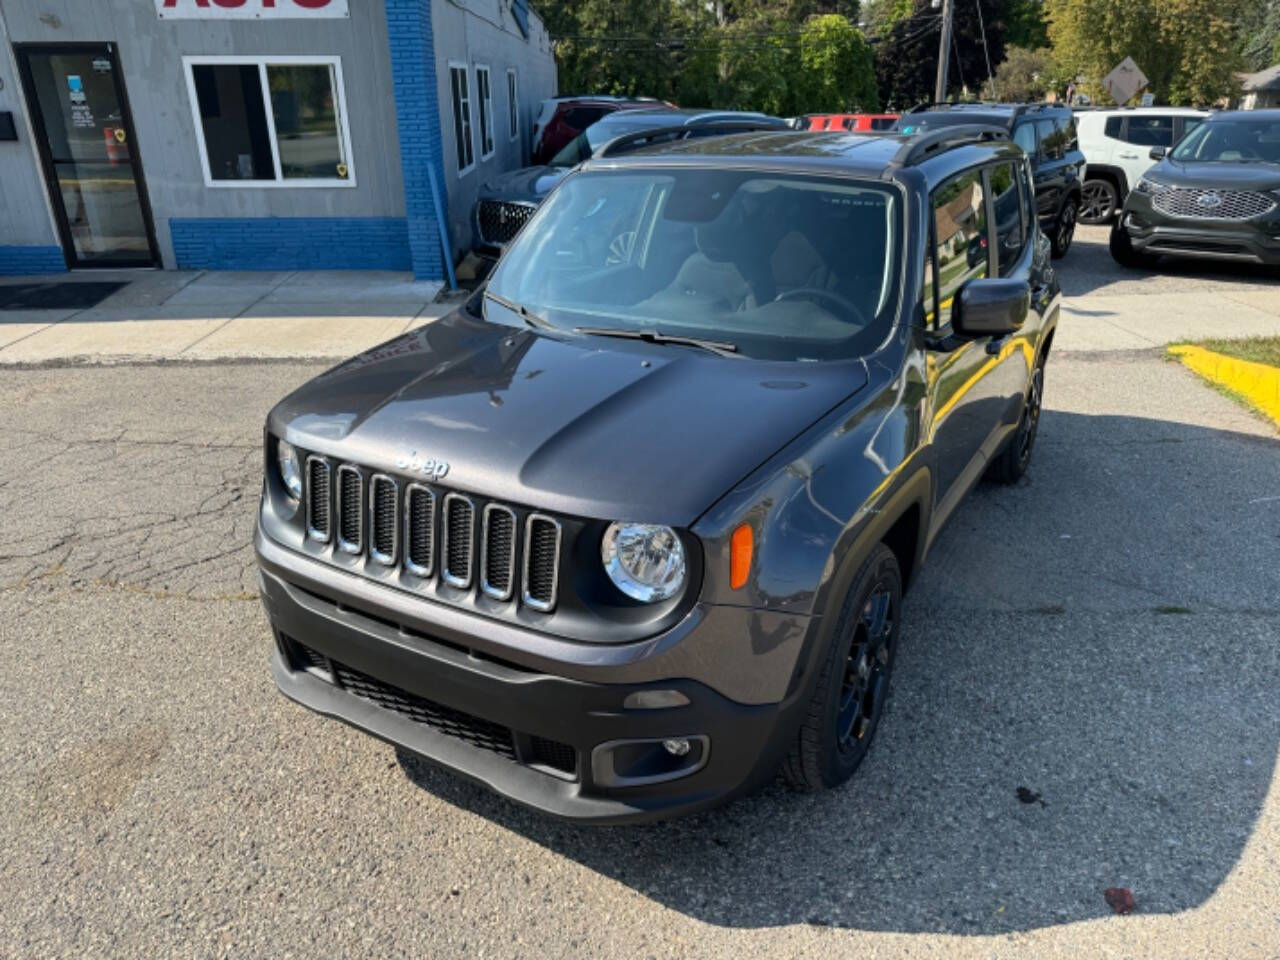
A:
1128	156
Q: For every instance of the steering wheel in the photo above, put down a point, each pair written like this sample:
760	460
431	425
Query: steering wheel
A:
817	293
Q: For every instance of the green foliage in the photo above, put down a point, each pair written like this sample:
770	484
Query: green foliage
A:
1025	24
1260	35
1189	49
1026	74
837	72
779	56
907	57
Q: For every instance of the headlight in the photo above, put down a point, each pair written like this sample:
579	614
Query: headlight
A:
645	561
290	468
1148	186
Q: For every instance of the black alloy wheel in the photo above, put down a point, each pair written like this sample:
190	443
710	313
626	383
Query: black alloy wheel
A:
1012	462
852	686
1098	201
1066	230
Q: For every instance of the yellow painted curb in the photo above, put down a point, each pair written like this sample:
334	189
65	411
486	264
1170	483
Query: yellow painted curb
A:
1256	382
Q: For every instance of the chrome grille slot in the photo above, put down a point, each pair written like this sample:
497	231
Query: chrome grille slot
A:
1193	204
350	509
541	561
498	552
318	499
419	530
384	519
459	536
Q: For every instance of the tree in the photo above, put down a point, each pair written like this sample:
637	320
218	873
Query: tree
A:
907	58
1260	35
1025	75
1025	25
1187	48
838	73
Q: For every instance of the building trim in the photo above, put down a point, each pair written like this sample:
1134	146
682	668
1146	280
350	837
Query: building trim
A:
413	76
291	243
17	261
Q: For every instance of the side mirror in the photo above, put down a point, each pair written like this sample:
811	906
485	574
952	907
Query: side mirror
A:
1157	153
990	308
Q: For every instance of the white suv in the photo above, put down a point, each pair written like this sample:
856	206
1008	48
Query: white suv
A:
1117	146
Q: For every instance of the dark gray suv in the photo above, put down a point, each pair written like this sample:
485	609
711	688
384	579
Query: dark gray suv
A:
629	532
1215	196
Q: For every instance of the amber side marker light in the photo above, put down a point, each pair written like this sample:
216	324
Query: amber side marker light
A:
740	547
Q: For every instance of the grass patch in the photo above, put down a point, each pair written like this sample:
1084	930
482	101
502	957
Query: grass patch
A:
1254	349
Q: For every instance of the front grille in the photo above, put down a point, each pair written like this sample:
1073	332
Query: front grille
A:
501	220
484	734
498	559
389	525
384	519
318	522
459	535
541	561
1194	204
553	754
350	509
449	721
420	531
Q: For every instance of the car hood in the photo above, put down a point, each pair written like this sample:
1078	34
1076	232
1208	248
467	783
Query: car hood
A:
1218	176
586	426
529	183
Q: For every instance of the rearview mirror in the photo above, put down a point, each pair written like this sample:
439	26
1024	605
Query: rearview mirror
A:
990	308
1157	153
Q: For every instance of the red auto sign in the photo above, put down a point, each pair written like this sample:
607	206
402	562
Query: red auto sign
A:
251	9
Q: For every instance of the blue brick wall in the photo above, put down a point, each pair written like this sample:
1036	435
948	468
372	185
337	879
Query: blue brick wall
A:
291	243
19	261
413	74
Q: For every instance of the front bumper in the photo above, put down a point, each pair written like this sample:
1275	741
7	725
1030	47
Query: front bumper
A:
546	740
1159	234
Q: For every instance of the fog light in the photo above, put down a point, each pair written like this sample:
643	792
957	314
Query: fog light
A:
676	747
654	700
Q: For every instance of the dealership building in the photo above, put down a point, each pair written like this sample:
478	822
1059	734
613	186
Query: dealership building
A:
258	134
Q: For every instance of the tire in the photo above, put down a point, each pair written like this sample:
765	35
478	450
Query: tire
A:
1012	462
1122	251
853	682
1066	228
1099	201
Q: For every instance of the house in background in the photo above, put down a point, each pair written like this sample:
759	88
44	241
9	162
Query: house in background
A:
257	134
1260	90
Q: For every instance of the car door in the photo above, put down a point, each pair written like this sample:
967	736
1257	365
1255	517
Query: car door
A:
1049	173
1141	133
958	422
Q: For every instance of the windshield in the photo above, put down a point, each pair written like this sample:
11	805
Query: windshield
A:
1238	140
784	267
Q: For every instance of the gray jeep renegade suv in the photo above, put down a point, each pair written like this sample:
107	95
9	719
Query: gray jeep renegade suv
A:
629	532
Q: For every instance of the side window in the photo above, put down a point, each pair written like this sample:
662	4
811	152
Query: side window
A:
1190	123
1112	128
1066	128
960	232
1050	140
1025	137
1029	212
1150	131
1010	230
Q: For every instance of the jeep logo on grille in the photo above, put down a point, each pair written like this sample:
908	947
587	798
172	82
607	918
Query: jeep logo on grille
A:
431	469
1209	200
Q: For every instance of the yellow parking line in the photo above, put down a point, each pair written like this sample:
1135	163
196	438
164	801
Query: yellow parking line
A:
1256	382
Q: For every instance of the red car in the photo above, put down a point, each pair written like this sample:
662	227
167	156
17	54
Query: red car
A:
856	122
560	119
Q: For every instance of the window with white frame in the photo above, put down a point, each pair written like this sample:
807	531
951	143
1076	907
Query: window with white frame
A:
484	94
461	95
513	104
271	121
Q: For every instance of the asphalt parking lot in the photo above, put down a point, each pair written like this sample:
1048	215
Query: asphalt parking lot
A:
1086	698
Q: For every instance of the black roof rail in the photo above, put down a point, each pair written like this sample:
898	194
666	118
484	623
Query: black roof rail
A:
933	141
684	131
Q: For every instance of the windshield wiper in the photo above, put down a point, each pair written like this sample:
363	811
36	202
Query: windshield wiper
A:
519	309
723	348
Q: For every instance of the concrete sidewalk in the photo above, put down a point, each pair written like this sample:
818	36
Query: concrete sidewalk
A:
202	315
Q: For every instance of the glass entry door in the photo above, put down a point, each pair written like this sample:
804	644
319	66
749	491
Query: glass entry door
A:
76	99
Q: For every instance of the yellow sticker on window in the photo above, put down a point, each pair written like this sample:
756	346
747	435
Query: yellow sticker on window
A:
342	171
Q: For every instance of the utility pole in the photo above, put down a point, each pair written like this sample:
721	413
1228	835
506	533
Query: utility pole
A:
944	53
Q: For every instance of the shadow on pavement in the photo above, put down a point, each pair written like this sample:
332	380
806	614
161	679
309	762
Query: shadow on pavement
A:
1085	698
1088	268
